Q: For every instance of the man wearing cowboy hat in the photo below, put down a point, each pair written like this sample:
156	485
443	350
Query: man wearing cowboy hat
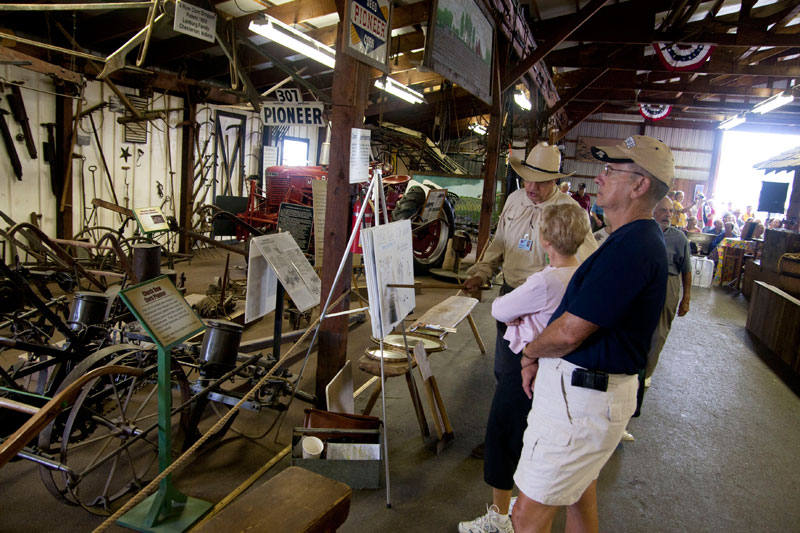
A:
515	248
585	364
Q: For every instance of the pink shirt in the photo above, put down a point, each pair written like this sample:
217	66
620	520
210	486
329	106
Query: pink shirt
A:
534	302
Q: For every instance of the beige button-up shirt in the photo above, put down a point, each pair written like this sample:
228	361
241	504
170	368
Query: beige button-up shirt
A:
521	218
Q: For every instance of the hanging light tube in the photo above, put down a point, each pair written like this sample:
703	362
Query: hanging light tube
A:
477	128
400	91
773	102
283	34
522	101
732	122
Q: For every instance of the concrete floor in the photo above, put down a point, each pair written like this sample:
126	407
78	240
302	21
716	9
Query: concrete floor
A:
715	448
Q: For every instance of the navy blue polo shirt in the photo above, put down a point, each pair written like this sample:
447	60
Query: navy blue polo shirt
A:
621	287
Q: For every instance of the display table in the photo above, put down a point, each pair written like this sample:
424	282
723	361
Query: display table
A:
731	260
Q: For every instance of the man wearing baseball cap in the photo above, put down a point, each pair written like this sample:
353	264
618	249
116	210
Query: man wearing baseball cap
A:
585	364
517	249
582	198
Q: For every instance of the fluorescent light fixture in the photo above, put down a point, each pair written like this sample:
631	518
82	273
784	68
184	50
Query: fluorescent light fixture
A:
277	31
773	102
522	101
400	91
477	128
732	122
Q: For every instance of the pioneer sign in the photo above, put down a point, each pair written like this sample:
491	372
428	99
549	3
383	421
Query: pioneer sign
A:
368	32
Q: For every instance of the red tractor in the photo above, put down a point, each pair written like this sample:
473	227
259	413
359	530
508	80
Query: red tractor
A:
293	185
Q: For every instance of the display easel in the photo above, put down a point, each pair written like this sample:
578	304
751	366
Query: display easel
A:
169	320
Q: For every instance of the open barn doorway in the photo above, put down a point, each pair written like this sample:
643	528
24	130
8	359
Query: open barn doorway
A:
738	183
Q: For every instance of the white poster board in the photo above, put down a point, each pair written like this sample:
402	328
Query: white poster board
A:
277	257
388	259
359	155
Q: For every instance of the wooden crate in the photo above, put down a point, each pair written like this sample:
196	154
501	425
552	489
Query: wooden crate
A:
774	318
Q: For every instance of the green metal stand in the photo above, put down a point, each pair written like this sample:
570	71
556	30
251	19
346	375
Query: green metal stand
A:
167	510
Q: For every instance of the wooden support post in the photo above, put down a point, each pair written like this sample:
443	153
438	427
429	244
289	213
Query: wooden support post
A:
492	156
64	122
350	91
187	172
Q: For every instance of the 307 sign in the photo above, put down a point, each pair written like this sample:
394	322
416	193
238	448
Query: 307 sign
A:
291	96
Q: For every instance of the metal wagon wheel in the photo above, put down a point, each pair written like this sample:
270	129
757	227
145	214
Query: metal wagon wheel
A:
108	439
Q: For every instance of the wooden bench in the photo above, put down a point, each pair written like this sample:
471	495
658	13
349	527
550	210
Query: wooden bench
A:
293	501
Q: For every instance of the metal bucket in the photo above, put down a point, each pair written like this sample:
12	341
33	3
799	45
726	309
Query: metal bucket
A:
88	309
146	261
220	345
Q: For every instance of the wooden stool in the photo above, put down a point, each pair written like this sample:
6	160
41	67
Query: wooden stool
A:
373	366
295	500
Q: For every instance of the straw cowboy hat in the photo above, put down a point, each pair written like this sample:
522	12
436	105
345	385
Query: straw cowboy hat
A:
542	164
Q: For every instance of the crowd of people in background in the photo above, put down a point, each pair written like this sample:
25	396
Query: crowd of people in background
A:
700	216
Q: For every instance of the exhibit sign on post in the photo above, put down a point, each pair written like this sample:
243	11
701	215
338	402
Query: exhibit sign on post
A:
359	155
169	320
367	32
151	219
274	258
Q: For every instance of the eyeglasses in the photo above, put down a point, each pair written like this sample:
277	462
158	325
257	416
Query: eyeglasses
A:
607	169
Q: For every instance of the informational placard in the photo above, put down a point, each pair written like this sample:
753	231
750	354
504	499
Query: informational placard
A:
293	114
319	192
460	44
359	155
162	311
388	260
298	220
270	157
367	33
277	257
433	204
194	21
151	219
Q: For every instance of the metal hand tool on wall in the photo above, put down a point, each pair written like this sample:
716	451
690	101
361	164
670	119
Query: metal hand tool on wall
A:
17	106
50	157
10	148
127	197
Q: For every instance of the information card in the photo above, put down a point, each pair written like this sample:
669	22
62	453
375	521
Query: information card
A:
163	312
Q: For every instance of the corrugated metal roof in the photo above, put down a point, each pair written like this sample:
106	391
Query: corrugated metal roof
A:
786	161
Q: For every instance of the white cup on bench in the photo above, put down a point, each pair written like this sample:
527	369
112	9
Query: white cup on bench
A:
312	447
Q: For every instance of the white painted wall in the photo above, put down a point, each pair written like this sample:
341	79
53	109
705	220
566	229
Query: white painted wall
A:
18	199
157	157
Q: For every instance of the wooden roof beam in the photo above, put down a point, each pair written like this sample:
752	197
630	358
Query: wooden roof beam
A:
542	50
567	97
577	121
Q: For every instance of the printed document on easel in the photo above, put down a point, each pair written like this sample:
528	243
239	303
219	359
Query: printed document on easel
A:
388	259
277	257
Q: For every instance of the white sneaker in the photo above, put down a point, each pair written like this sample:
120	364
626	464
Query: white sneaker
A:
646	382
627	437
511	505
491	522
